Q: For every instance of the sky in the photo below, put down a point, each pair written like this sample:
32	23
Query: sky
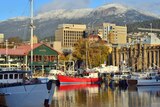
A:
17	8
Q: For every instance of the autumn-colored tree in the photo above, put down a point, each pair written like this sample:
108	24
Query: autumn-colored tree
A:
63	57
111	37
92	53
14	40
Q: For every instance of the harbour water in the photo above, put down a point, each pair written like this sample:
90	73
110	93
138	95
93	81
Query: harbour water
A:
100	96
103	96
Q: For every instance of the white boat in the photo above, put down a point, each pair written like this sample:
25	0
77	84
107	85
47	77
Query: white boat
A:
145	79
17	91
121	75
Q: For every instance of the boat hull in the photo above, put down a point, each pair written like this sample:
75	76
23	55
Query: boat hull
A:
35	95
143	82
77	80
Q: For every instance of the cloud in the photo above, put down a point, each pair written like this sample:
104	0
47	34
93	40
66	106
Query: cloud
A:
152	6
65	4
145	5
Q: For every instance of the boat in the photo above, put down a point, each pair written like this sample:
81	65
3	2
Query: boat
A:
145	79
52	75
89	78
121	75
143	82
17	90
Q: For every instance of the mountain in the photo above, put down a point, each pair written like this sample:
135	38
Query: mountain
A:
46	23
146	24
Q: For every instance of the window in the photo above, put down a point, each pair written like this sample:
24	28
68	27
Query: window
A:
16	76
10	76
20	76
5	76
1	76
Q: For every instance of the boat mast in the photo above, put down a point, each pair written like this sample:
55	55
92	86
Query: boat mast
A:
31	26
86	56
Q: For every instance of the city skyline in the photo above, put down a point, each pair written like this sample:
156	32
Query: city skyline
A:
18	8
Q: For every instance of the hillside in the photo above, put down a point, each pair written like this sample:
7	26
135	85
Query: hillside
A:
46	23
146	24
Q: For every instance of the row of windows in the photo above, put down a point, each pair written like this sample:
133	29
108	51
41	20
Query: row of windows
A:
73	31
11	76
69	44
75	39
73	36
40	58
67	34
70	41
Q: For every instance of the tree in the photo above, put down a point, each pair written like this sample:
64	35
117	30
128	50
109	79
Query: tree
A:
92	53
15	40
111	37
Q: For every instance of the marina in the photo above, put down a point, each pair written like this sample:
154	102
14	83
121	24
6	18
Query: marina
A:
108	56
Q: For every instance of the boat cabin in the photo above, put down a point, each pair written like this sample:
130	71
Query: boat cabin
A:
91	75
144	75
9	77
121	75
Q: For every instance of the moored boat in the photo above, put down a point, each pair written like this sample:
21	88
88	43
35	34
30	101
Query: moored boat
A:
143	82
89	79
147	79
17	91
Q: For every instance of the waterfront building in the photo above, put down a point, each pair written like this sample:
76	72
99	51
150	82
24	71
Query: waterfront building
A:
69	34
150	38
43	56
138	55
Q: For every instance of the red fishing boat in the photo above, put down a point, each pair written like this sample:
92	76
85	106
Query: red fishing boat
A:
90	78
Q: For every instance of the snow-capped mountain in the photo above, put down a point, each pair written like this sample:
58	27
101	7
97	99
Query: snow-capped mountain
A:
61	14
46	23
118	8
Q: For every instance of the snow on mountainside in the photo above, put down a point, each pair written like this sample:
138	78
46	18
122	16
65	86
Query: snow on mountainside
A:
120	8
116	9
60	14
18	18
46	23
110	9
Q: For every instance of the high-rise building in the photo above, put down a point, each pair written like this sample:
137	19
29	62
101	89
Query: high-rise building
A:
114	34
69	34
1	37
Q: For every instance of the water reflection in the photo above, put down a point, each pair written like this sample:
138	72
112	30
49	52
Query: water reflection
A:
103	96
